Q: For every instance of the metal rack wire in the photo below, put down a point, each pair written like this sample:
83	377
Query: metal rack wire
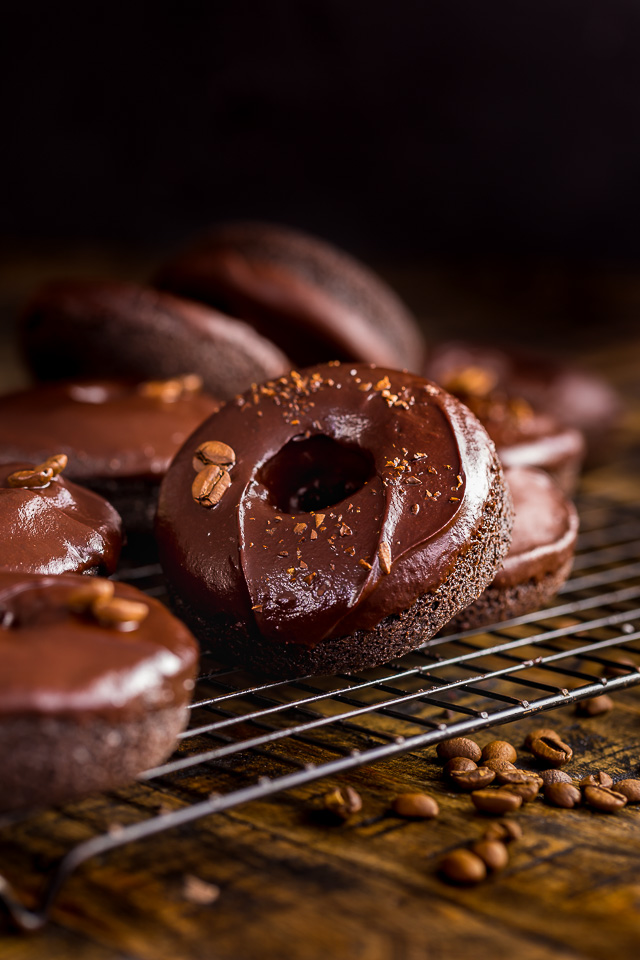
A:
249	739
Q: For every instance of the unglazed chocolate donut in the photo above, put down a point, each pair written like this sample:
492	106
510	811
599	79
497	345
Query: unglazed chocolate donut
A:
94	687
119	436
316	302
50	525
332	519
102	328
541	553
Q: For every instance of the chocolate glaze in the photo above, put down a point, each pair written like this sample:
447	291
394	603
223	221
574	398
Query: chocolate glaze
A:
314	301
107	428
60	663
299	578
97	328
60	528
544	529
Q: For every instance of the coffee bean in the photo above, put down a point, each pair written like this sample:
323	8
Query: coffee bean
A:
629	789
473	779
505	830
619	667
418	805
527	789
551	751
518	776
34	479
599	779
594	706
499	750
495	801
554	776
216	452
458	765
57	463
459	747
210	485
532	775
499	767
343	802
120	613
604	799
492	852
537	734
95	591
463	866
562	794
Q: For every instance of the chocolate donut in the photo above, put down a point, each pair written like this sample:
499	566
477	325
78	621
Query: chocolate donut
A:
576	398
119	436
50	525
331	519
524	435
94	688
541	553
316	302
104	328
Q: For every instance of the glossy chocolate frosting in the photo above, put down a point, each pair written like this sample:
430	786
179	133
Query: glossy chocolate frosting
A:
58	528
103	328
107	428
57	662
316	302
544	529
355	490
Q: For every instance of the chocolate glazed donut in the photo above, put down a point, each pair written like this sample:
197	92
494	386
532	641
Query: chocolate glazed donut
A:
332	519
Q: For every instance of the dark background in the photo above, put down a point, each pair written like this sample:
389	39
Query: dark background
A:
494	146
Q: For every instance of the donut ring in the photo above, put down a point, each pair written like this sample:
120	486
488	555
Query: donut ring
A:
363	508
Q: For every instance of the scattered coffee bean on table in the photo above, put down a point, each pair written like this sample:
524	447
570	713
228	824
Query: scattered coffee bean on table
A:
562	794
527	789
415	805
604	799
459	747
495	801
599	779
343	802
554	776
505	830
473	779
459	765
629	789
551	751
499	767
537	734
595	706
492	852
499	750
463	866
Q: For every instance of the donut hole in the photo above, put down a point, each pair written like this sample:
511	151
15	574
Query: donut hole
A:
314	473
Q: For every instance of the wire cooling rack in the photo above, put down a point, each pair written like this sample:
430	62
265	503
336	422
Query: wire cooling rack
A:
250	739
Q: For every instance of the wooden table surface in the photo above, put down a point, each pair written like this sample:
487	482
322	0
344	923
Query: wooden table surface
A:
283	883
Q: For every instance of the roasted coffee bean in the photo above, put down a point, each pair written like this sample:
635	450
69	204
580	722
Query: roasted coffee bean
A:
94	592
216	452
499	750
629	789
418	805
554	776
458	765
210	485
518	776
34	479
532	775
599	779
499	767
120	613
537	734
57	463
343	802
594	706
562	794
551	751
463	866
492	852
527	789
604	799
459	747
473	779
495	801
505	830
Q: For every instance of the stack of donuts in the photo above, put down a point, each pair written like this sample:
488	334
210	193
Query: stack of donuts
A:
324	489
